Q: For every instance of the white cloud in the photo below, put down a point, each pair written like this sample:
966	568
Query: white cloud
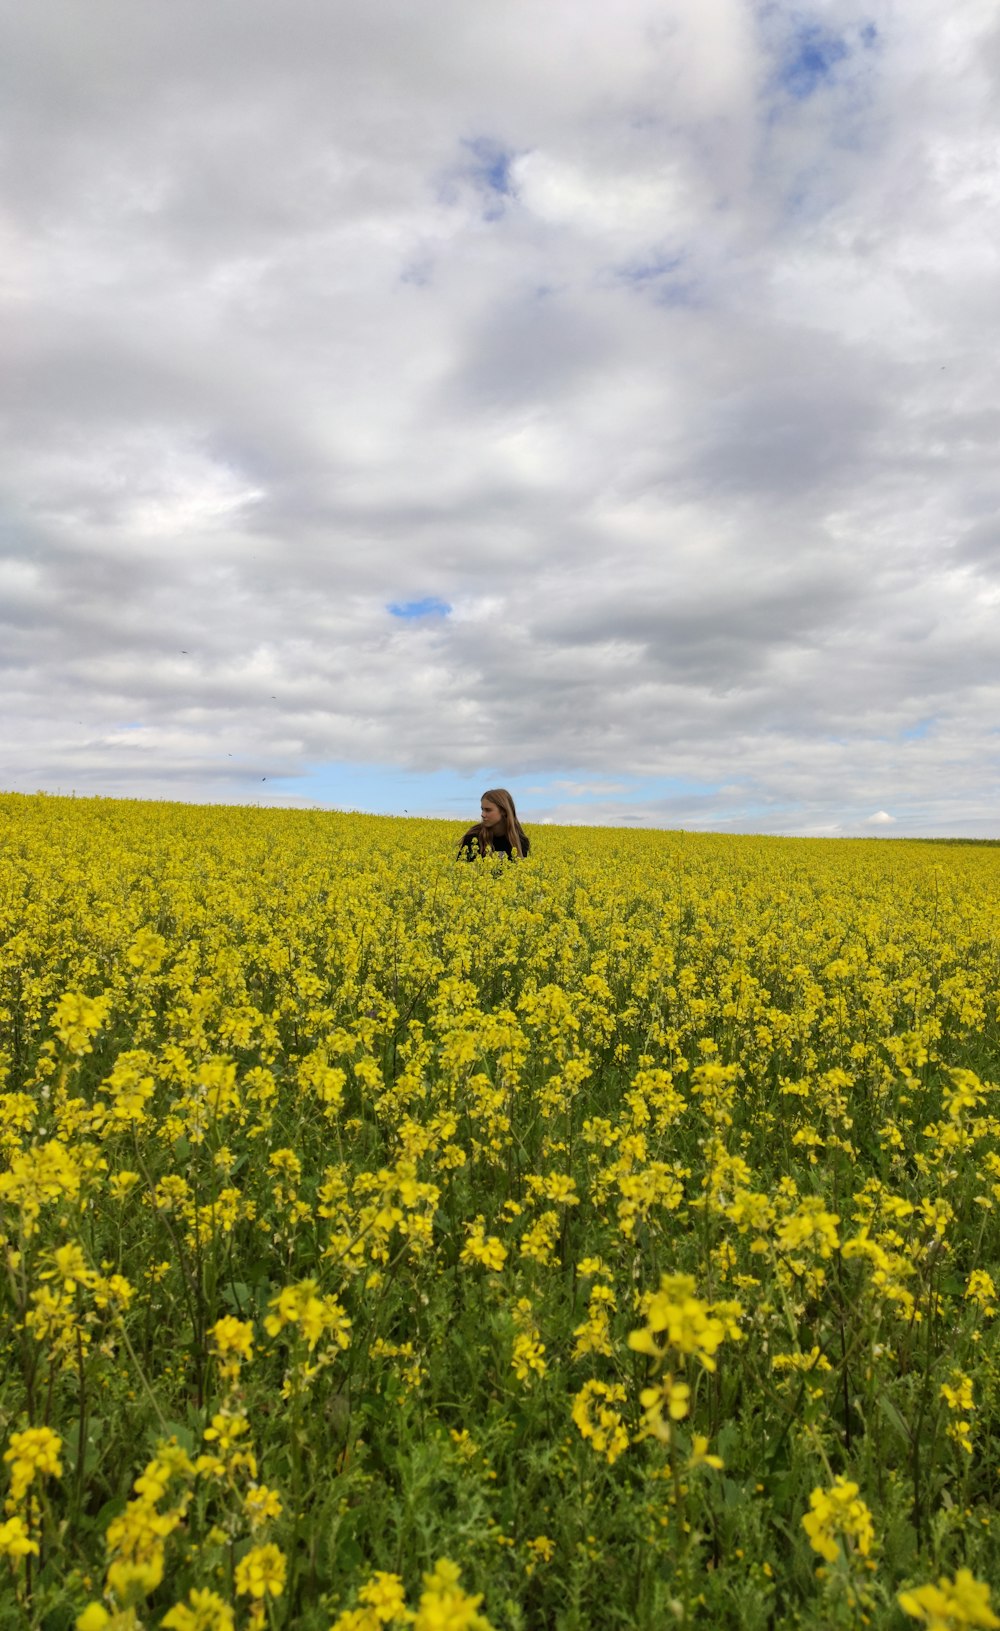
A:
652	348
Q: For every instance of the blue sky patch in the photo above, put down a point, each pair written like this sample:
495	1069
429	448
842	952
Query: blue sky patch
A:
645	268
487	166
917	732
812	56
380	789
410	609
490	165
660	276
387	790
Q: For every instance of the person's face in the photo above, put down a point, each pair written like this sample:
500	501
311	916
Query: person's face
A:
491	813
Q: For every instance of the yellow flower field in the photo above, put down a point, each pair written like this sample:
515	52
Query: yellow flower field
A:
609	1239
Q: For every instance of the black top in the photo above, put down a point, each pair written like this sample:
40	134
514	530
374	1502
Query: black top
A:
500	846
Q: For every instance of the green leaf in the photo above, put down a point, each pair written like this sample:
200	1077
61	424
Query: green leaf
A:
891	1414
182	1433
349	1554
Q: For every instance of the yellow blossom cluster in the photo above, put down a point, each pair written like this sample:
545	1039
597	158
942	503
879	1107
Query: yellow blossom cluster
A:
356	1204
444	1604
835	1515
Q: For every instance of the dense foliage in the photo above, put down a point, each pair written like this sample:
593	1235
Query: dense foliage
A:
603	1239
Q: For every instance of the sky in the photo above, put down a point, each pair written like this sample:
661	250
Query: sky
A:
598	401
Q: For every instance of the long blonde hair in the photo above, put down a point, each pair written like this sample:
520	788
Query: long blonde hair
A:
515	833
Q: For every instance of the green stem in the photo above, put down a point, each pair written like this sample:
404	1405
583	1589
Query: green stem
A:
682	1550
81	1437
925	1388
142	1378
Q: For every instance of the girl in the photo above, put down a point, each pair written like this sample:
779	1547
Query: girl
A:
498	832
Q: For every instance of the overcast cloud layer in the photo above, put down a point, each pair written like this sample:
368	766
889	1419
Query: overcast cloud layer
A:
602	399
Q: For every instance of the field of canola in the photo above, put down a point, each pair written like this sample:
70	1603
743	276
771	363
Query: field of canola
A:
609	1239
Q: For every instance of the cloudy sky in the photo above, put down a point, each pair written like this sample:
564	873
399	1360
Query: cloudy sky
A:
602	401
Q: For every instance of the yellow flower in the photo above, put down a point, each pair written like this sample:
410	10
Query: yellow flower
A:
811	1226
957	1394
261	1573
225	1430
78	1018
982	1291
597	1419
675	1396
542	1548
384	1595
261	1504
204	1611
70	1266
699	1456
232	1337
815	1360
35	1450
15	1541
356	1619
676	1319
114	1292
95	1617
836	1512
46	1172
444	1606
314	1316
286	1164
487	1250
528	1356
593	1335
169	1462
538	1241
560	1188
951	1604
146	953
130	1580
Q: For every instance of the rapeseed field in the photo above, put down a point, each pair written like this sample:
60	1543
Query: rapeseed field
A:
606	1239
